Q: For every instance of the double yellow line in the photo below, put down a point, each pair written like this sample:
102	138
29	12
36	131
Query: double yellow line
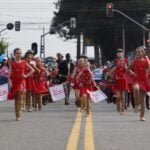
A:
75	133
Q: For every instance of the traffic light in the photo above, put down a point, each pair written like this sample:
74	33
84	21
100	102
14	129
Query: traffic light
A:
17	25
34	47
109	9
42	48
10	26
72	22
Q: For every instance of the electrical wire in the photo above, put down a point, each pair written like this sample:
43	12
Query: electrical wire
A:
25	17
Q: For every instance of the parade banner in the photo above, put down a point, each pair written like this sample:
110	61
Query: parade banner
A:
97	96
97	74
3	92
57	92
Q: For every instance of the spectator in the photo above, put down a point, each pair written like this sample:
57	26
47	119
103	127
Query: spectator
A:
4	72
59	58
65	70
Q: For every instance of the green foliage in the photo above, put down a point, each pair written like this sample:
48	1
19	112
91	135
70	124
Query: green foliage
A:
3	46
107	32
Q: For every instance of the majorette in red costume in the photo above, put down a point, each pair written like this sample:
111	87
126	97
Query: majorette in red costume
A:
18	82
40	81
139	67
78	69
120	78
30	82
40	78
86	82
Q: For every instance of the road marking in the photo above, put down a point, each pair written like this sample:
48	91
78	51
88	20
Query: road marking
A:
89	137
75	133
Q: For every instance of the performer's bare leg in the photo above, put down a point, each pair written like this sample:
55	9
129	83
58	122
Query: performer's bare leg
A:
78	98
39	102
29	100
118	101
136	94
142	102
88	101
36	102
83	102
122	102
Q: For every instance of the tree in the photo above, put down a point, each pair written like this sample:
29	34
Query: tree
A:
3	46
107	32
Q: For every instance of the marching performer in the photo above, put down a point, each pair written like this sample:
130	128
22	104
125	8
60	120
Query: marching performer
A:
86	84
30	82
120	55
17	80
121	84
139	69
40	83
79	67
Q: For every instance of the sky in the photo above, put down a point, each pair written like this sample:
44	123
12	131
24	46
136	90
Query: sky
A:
34	15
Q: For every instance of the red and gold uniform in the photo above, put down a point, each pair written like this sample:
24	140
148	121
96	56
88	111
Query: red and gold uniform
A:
18	85
86	82
40	82
140	77
30	86
30	82
124	59
76	80
139	70
40	87
18	82
120	78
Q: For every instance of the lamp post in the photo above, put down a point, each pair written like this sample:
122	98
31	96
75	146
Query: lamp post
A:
146	22
72	22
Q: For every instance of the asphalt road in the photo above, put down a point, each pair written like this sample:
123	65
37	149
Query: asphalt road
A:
61	127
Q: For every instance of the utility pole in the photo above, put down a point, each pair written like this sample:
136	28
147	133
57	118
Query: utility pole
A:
78	44
144	39
72	22
123	39
42	44
147	24
84	51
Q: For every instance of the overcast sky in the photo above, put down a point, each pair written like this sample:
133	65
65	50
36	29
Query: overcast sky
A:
31	13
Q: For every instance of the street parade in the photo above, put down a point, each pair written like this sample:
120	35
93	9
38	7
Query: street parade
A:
74	75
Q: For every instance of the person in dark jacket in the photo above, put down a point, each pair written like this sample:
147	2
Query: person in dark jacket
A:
65	70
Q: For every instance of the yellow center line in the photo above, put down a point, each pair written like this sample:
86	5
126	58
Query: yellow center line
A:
89	137
75	133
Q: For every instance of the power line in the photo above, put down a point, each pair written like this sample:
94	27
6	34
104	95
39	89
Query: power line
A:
39	29
28	23
28	17
26	3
